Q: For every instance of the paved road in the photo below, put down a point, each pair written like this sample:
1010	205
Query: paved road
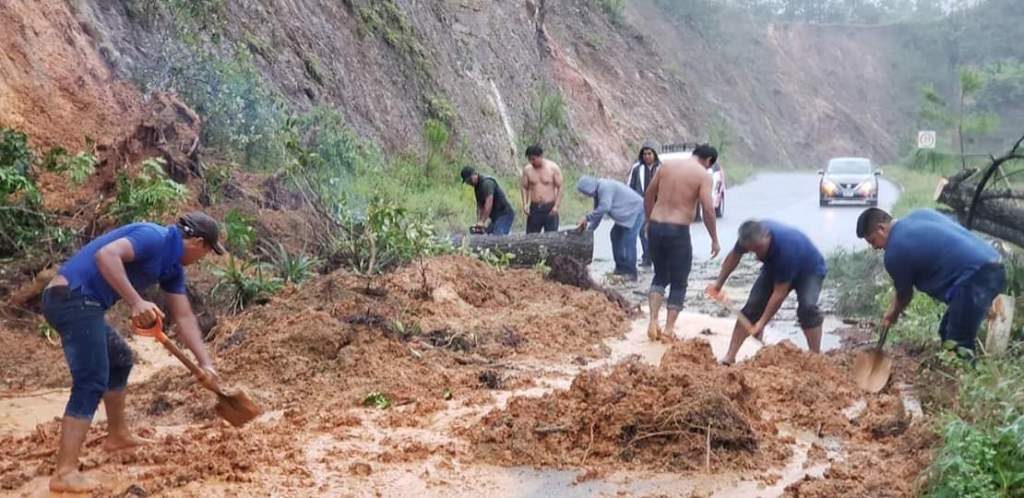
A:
790	198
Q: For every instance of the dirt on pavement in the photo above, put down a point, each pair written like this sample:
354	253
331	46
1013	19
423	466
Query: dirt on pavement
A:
479	366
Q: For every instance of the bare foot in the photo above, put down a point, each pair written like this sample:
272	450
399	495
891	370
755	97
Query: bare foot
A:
117	443
653	332
72	482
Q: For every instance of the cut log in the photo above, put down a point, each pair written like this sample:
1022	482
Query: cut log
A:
530	249
1000	325
1001	217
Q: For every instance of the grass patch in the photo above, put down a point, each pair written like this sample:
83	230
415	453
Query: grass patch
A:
917	188
738	173
444	199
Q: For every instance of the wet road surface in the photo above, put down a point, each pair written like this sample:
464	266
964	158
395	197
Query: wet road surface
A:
790	198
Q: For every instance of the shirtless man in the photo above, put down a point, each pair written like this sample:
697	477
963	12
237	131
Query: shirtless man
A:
542	191
670	203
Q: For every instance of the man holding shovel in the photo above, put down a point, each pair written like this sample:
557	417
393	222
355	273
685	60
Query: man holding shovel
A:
942	259
119	265
790	262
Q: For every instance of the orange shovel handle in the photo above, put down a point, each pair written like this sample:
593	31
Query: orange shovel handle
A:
156	331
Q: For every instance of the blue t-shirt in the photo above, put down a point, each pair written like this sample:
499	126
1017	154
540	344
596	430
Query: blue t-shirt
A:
791	255
933	253
158	253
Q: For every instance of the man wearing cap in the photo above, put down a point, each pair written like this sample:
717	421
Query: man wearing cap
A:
119	264
939	257
491	203
791	262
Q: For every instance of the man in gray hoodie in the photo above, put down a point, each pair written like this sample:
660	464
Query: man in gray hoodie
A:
626	208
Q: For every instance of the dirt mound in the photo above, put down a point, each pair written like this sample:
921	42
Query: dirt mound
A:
424	334
659	418
884	468
29	361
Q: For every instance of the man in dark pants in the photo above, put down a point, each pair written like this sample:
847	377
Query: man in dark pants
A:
669	207
942	259
119	265
791	262
640	176
541	188
491	203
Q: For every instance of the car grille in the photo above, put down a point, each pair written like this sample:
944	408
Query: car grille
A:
848	186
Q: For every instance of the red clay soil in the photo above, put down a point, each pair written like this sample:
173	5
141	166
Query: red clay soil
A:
28	360
656	418
315	352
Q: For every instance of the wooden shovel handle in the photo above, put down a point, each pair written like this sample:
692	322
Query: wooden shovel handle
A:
721	298
156	331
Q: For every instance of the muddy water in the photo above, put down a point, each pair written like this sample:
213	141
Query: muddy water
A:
19	415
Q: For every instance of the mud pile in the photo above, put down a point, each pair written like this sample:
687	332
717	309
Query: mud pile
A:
639	416
423	334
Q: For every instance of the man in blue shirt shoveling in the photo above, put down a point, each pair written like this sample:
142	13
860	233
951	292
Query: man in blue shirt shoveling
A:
791	262
939	257
119	265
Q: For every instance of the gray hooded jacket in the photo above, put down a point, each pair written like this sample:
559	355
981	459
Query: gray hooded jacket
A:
612	198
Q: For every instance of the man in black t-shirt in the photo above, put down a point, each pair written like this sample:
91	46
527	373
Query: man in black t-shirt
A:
491	203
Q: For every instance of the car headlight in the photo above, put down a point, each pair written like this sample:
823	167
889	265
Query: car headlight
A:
866	188
828	187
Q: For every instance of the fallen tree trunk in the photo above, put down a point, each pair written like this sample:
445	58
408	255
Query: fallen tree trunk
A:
999	214
530	249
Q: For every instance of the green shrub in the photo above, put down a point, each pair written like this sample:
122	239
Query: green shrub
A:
858	277
387	236
982	452
919	324
436	135
21	218
240	234
149	195
242	283
216	178
79	167
615	10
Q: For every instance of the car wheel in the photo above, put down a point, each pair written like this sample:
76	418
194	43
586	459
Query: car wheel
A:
873	202
720	210
822	202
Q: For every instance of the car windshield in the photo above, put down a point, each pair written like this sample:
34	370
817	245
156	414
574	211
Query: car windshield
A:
850	167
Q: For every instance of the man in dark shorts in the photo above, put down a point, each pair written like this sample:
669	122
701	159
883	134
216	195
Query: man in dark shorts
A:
669	205
491	203
790	262
541	188
939	257
119	265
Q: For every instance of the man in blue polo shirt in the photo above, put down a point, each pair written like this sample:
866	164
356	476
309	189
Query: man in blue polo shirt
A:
790	262
119	265
942	259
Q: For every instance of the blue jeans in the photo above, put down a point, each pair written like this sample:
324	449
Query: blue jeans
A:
672	255
808	289
502	225
646	257
97	355
969	305
624	246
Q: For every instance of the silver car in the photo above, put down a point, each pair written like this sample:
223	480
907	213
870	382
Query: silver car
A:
848	179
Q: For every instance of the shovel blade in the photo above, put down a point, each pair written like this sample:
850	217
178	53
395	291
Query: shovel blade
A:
871	370
236	408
